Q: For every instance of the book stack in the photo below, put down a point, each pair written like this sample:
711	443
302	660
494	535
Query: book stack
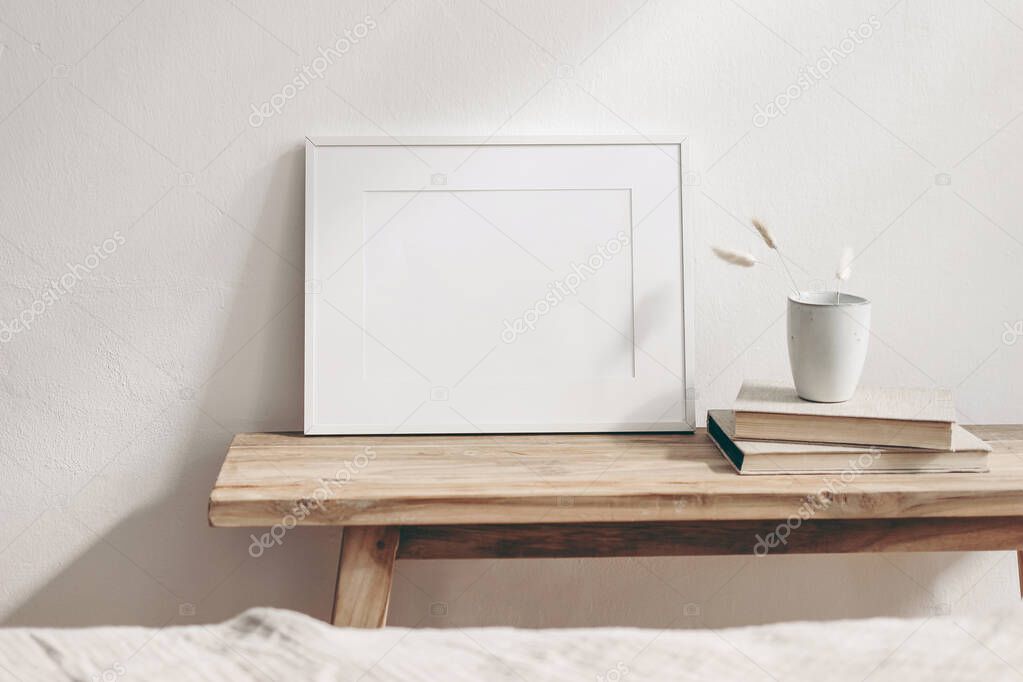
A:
880	430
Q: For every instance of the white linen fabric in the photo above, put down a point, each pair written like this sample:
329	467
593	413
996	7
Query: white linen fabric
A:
270	644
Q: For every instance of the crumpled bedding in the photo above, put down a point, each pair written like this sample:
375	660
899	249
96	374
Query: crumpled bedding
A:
271	644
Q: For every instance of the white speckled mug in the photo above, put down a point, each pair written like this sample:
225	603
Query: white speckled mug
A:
828	338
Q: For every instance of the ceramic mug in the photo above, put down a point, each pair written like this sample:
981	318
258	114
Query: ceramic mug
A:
828	337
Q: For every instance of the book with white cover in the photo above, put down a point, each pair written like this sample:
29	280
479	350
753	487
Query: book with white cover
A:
969	454
887	417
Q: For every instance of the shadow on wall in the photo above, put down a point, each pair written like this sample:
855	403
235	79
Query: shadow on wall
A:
160	562
665	592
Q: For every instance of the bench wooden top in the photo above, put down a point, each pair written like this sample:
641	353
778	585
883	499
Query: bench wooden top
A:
270	479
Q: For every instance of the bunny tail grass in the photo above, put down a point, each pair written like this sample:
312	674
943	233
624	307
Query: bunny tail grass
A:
765	234
768	238
744	260
844	270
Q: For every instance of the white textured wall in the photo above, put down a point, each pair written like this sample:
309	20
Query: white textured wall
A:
128	159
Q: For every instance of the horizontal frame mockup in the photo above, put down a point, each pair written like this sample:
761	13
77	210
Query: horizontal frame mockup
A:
461	285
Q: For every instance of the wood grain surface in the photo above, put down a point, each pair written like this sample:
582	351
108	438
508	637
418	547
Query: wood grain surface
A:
364	575
579	478
710	538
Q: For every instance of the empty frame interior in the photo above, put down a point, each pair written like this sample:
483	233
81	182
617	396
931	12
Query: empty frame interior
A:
502	287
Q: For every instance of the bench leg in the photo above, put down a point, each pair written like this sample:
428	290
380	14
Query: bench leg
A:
1019	562
364	576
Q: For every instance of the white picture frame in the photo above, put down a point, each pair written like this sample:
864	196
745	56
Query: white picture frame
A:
464	285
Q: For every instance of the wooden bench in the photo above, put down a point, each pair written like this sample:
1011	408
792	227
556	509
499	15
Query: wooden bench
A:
592	495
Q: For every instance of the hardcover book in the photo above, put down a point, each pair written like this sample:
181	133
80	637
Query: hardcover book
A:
969	453
886	417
